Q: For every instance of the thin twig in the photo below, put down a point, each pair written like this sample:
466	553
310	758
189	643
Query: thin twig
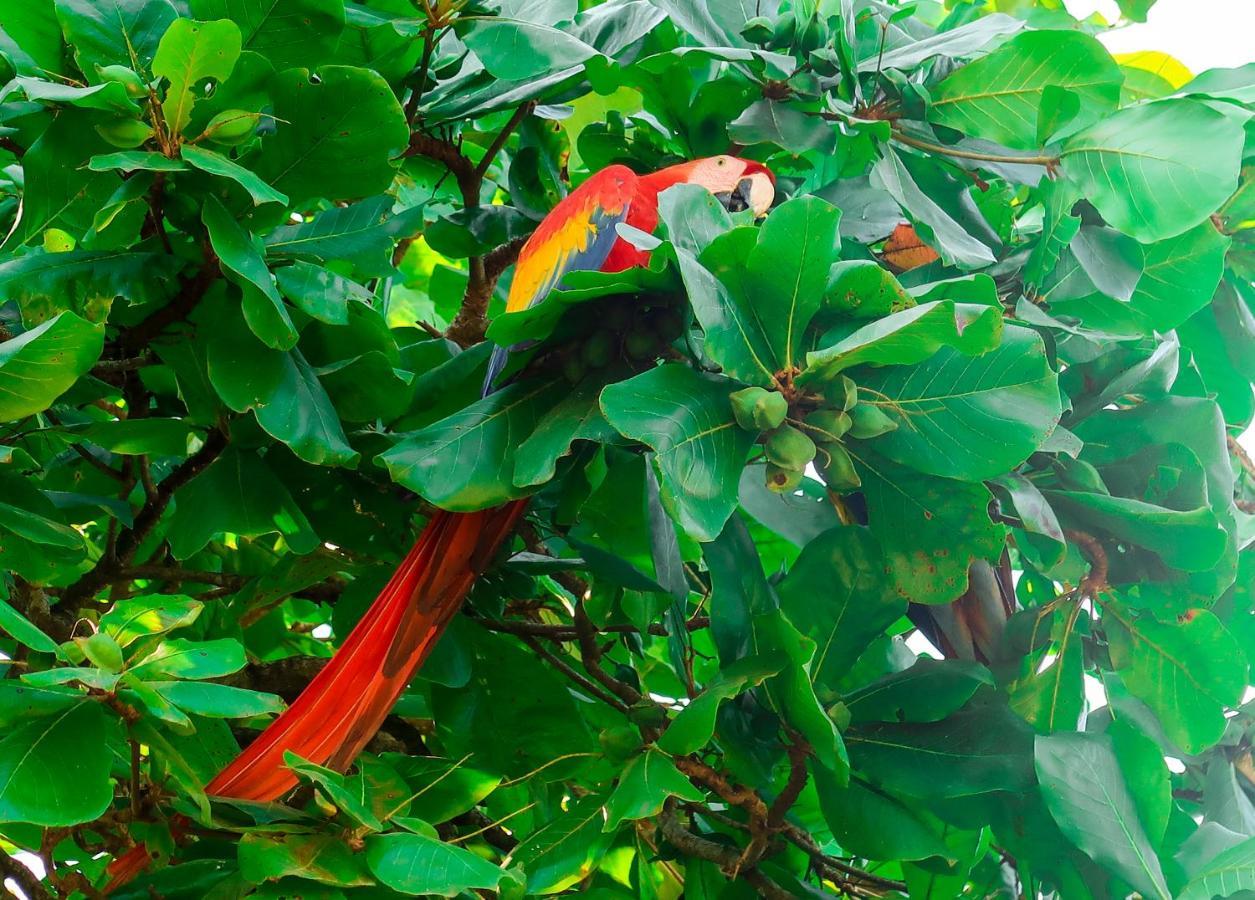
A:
569	671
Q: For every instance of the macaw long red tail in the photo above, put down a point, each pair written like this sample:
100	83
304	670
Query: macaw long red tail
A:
338	713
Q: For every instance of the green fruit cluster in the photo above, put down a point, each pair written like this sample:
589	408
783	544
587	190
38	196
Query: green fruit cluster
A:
786	31
624	332
815	433
231	127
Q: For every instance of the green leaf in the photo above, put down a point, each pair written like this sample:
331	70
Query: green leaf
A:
300	414
963	40
872	822
983	747
931	529
179	658
565	849
686	417
22	630
216	164
54	770
928	691
907	337
1087	796
576	417
217	701
334	786
999	96
839	595
320	292
443	788
1144	171
361	233
949	237
324	118
415	864
190	53
241	255
238	494
110	96
1180	277
695	725
644	786
755	330
467	461
1224	875
515	50
1187	672
136	617
966	418
114	32
84	282
132	437
324	858
287	32
135	160
41	364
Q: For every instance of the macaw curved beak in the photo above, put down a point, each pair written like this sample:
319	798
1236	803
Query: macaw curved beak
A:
754	191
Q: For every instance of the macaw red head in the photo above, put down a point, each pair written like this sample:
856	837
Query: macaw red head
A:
736	183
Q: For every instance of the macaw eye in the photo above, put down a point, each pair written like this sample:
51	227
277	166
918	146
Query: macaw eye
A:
720	161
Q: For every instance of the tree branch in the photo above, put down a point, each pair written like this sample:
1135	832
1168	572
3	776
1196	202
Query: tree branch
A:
569	671
23	877
145	521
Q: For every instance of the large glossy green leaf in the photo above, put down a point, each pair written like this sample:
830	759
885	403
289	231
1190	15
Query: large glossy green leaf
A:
931	529
84	282
415	864
928	691
686	418
560	852
1189	672
114	32
875	823
1088	798
180	658
963	40
839	596
41	364
1145	172
514	49
756	328
644	786
216	164
1180	276
983	747
217	700
324	118
189	54
54	769
322	858
907	337
576	417
238	494
287	32
361	233
999	96
1227	873
467	461
241	255
22	630
969	418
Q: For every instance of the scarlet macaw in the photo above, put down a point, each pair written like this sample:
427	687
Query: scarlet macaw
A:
343	706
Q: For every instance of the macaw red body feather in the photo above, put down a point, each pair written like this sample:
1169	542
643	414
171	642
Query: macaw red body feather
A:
341	709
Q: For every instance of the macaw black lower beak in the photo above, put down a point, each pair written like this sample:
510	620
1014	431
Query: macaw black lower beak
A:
739	199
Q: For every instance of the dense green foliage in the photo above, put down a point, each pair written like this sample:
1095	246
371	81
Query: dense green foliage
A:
251	253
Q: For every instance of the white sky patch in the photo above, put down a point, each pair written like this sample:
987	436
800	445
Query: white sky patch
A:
1203	34
1095	693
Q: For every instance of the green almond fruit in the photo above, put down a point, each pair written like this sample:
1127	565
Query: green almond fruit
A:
782	31
789	448
832	424
838	469
127	77
841	394
758	30
102	650
598	349
573	369
868	421
758	409
231	127
782	481
619	742
641	345
811	35
126	134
